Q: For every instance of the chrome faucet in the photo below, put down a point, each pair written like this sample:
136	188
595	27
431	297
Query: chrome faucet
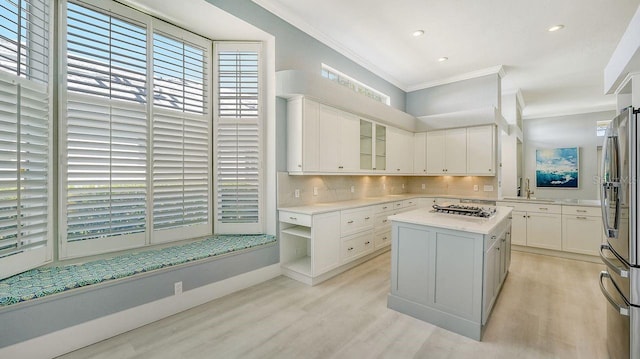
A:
527	189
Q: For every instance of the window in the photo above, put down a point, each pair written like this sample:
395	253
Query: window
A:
25	136
355	85
601	127
134	162
181	137
238	139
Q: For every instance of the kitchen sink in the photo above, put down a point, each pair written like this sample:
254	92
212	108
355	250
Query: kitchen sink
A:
532	199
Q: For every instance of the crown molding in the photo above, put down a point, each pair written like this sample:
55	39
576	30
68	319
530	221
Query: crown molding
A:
570	112
494	70
305	27
518	94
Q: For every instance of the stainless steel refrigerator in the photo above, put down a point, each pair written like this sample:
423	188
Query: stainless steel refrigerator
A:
620	282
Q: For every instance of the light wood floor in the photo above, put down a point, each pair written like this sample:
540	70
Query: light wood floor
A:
549	308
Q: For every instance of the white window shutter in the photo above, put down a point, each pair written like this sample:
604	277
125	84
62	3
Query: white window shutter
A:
25	137
181	137
238	135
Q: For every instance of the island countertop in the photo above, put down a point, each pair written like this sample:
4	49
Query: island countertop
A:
426	217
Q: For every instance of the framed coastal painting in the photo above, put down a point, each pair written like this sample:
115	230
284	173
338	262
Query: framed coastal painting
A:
557	167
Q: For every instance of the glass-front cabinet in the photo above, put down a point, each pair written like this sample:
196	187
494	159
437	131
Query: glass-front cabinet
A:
373	146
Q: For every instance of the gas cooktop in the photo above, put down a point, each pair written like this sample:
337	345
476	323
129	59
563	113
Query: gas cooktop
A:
462	210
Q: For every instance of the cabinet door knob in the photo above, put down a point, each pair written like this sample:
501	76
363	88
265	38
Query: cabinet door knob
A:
384	238
300	166
350	248
367	242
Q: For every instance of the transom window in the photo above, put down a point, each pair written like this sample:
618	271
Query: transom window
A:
355	85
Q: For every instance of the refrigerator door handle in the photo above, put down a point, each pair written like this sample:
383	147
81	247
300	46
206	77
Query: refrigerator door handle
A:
621	271
622	309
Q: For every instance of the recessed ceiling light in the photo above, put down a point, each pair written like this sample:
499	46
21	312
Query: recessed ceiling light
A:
443	59
555	28
418	33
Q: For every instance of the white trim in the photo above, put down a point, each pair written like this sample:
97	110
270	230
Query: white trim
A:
329	69
305	27
519	96
81	335
499	70
626	81
569	112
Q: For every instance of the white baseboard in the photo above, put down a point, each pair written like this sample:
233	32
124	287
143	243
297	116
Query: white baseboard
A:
76	337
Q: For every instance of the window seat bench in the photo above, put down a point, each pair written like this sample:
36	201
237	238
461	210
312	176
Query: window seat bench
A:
41	282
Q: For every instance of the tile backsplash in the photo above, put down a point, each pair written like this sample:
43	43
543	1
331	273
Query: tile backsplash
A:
338	188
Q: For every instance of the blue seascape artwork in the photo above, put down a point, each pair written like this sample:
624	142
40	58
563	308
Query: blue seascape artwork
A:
557	167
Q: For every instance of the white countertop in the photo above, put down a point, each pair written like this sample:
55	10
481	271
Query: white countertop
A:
425	217
318	208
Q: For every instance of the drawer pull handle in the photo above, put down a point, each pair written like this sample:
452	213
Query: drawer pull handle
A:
581	211
367	242
367	218
350	248
384	238
350	222
493	237
581	217
340	167
543	208
293	218
385	207
385	220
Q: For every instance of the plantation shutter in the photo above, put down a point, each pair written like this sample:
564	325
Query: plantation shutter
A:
25	188
106	132
181	137
238	139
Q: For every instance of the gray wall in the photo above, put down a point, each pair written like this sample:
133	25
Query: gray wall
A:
565	131
295	50
462	95
29	320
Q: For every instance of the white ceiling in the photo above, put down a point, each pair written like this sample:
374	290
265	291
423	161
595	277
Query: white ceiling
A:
557	72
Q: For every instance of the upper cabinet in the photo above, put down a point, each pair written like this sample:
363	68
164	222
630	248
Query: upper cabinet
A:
461	151
303	121
447	152
324	139
339	133
399	151
373	146
481	150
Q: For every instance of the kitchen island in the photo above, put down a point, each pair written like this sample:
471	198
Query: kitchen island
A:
448	269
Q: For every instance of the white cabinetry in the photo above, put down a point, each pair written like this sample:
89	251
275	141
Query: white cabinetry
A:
373	146
536	225
303	141
582	229
309	245
420	153
339	133
481	159
447	152
399	151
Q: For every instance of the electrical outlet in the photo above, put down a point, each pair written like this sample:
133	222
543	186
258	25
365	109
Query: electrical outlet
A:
424	186
353	189
488	188
177	288
315	191
475	188
296	193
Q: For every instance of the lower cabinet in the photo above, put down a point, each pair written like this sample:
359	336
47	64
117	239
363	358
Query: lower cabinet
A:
567	228
446	277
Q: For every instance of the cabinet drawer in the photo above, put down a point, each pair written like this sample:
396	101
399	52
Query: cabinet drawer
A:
382	239
356	246
532	207
383	207
295	218
356	220
409	204
381	221
582	211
